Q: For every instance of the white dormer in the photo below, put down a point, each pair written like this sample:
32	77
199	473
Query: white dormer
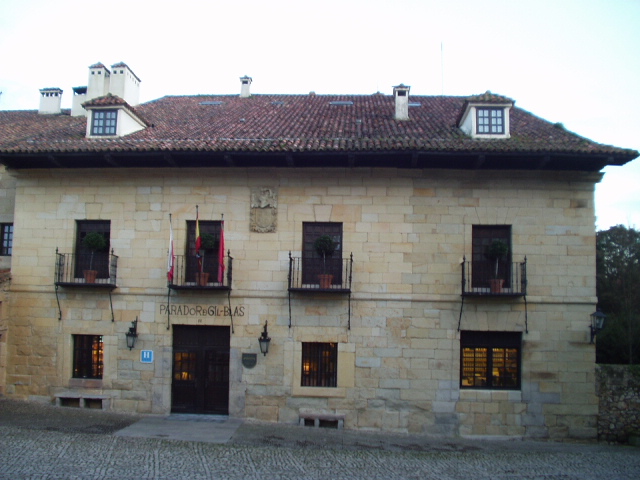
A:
486	116
111	117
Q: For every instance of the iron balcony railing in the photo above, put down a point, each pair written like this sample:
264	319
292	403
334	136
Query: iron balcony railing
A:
86	270
313	274
480	278
193	273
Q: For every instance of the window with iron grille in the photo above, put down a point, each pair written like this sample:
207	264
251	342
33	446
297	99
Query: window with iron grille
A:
87	259
485	267
314	264
104	122
319	364
490	360
490	121
87	356
208	260
7	238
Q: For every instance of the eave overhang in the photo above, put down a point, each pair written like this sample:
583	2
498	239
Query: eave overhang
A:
379	159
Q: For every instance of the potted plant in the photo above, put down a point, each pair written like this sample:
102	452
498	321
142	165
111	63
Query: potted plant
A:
497	250
95	242
325	246
207	244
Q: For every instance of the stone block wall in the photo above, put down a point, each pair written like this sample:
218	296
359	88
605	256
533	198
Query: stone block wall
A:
618	388
399	362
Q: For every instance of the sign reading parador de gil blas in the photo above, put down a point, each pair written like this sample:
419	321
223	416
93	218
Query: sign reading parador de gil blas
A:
180	309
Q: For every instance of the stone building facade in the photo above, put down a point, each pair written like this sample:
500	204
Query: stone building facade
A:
407	336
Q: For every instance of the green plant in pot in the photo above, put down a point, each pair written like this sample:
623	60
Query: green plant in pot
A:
208	243
95	242
496	252
325	247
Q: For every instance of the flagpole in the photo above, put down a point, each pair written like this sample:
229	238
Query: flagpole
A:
169	272
198	241
221	253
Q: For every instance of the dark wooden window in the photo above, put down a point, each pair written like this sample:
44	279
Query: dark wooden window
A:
7	238
314	264
87	356
85	258
484	267
208	256
490	121
319	364
490	360
104	122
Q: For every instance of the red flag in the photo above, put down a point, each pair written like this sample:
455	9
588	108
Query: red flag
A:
172	255
198	243
221	254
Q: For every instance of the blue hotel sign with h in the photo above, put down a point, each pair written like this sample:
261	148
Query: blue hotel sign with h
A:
146	356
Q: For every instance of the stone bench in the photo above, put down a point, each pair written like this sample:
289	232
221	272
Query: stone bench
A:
84	400
328	420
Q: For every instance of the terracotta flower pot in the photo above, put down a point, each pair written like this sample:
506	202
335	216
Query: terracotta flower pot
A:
202	279
90	276
325	280
496	285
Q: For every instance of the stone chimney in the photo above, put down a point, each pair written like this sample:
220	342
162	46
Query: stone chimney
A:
245	91
125	84
401	94
79	97
99	80
50	101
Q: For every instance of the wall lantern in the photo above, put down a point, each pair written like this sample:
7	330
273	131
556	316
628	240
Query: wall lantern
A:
597	323
264	340
132	334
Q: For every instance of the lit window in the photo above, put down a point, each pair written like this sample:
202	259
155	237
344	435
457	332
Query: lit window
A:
490	121
87	356
7	238
490	360
319	364
104	122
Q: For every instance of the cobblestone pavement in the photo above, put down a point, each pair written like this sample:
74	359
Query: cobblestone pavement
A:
39	442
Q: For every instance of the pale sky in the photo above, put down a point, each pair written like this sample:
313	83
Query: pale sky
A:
571	61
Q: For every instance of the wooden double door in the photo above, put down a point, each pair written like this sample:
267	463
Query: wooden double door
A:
200	381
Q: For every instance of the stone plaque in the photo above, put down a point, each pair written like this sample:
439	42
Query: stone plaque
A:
249	360
263	217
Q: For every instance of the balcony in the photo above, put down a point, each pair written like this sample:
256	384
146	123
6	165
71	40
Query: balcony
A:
189	275
314	275
86	270
480	279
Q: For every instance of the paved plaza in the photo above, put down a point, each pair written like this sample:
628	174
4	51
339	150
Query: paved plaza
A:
41	442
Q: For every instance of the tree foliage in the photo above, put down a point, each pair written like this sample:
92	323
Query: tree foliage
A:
618	289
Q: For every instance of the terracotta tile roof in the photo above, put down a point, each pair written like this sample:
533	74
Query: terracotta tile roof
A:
106	101
110	100
488	97
296	123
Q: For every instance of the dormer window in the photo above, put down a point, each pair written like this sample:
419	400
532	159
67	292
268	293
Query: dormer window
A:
111	116
104	122
486	116
490	121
